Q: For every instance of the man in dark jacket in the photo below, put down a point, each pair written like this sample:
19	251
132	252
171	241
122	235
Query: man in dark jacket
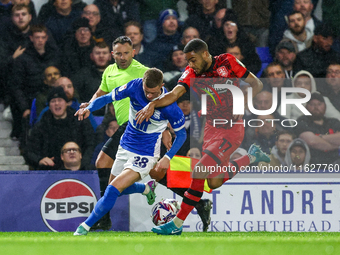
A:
58	126
26	79
317	58
77	49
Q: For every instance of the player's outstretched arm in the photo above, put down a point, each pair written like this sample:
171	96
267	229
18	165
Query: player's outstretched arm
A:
98	103
98	93
167	99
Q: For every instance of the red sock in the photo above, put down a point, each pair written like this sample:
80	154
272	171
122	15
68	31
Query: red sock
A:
236	165
191	198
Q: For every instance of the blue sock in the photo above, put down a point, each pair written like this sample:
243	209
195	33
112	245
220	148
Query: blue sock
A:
103	206
137	187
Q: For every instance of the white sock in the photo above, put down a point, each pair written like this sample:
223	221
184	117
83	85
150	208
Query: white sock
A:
178	222
252	158
85	226
147	189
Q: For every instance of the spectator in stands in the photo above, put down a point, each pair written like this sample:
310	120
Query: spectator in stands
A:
6	9
149	15
232	33
26	77
254	17
104	131
306	7
48	9
317	58
285	54
58	126
203	19
297	32
71	157
167	38
264	134
100	30
13	42
115	13
332	87
194	153
278	152
188	34
320	133
275	75
219	17
134	31
77	50
237	50
298	156
264	101
304	79
60	19
87	79
72	97
174	66
51	75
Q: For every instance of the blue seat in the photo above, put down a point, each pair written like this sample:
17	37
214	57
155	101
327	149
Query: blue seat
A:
33	114
265	58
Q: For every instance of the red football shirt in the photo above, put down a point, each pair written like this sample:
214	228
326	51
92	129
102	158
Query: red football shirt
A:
225	68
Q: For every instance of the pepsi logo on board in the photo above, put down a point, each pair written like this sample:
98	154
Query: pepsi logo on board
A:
67	203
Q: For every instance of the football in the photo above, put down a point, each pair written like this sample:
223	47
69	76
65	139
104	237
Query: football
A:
164	211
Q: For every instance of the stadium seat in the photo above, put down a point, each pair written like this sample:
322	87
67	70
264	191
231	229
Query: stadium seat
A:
265	58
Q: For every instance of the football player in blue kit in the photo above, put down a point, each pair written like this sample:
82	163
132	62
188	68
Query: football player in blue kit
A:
139	147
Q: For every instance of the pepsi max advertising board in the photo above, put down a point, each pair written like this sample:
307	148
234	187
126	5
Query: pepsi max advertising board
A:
53	201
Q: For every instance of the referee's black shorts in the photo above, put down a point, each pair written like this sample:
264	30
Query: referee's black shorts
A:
111	146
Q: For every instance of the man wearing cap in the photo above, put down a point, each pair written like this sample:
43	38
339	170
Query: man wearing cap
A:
78	48
316	58
58	126
167	38
285	54
320	133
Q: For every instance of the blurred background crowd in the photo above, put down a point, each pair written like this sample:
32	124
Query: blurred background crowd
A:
52	60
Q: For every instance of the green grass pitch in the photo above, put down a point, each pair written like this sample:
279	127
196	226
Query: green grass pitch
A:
211	243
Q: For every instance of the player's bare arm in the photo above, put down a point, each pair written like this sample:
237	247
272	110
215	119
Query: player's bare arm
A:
169	98
98	93
255	83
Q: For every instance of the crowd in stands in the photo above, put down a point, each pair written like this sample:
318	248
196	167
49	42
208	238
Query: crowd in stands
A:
52	61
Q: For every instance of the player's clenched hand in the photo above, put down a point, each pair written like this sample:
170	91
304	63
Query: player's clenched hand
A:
145	113
162	165
82	113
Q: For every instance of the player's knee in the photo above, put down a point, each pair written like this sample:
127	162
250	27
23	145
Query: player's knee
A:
214	183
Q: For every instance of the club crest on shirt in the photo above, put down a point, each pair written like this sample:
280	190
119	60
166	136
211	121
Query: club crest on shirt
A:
222	71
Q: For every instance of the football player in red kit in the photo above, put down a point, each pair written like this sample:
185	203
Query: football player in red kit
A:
219	142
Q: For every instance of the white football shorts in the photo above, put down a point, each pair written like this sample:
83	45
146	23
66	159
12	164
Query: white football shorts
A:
138	163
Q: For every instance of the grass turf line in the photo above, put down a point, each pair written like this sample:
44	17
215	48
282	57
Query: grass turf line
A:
275	243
